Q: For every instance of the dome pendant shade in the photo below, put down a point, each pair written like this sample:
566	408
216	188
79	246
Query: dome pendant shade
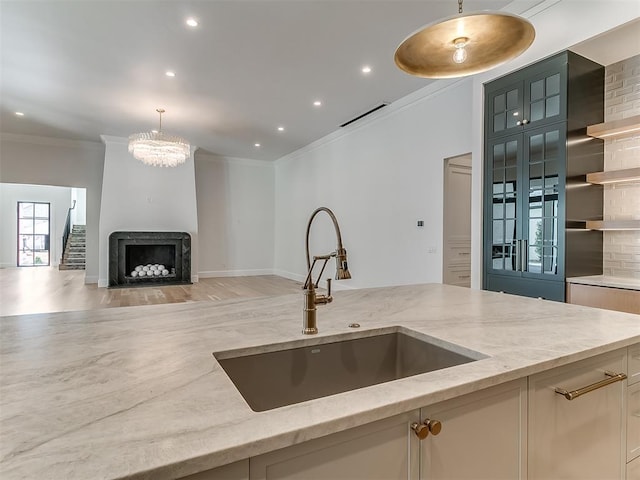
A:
437	50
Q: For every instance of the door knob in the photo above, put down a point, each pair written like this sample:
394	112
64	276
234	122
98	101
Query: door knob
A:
434	426
421	430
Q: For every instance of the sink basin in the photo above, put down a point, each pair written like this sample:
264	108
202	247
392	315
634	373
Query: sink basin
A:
300	371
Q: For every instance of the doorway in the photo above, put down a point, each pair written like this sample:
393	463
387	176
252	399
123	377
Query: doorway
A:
456	251
34	219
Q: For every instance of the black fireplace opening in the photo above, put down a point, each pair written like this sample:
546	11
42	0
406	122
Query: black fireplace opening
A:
148	258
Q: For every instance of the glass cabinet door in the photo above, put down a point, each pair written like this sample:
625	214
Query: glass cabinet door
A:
544	159
505	109
545	98
503	207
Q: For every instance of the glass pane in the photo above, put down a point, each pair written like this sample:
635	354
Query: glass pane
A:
498	122
553	84
25	258
534	263
39	242
537	110
510	209
498	155
549	260
512	118
553	106
510	180
498	211
549	238
551	168
25	226
498	176
512	99
42	210
42	226
510	257
550	206
551	183
25	210
498	232
499	103
26	243
509	230
41	258
511	158
537	90
535	172
551	143
535	148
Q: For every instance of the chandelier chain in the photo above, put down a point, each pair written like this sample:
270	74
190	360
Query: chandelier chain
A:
459	6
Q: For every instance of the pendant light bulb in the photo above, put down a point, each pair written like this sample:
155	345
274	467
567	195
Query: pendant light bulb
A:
460	54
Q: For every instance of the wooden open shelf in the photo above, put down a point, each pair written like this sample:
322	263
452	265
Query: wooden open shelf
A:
615	176
613	224
615	128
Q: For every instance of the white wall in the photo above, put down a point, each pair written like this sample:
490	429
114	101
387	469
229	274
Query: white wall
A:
138	197
47	161
235	215
386	173
379	178
59	199
79	213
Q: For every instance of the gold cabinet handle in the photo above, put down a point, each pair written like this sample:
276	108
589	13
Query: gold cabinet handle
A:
573	394
422	430
434	426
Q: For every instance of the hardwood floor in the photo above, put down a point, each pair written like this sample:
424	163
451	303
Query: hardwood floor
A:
46	289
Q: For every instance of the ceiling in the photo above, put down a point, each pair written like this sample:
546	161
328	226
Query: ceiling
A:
81	69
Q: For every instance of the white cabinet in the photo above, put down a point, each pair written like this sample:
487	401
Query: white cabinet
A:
383	450
483	436
233	471
583	438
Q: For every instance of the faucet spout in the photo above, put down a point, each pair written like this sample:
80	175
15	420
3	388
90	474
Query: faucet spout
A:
311	298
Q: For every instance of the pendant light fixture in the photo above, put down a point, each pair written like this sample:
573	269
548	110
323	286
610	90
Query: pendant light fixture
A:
464	44
158	149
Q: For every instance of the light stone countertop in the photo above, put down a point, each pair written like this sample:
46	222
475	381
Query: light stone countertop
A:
135	392
607	281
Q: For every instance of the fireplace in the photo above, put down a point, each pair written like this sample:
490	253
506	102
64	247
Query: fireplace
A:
149	258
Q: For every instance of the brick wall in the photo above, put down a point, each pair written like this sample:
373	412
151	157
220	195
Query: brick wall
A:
622	201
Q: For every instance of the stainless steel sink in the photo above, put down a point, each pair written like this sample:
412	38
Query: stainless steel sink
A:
300	371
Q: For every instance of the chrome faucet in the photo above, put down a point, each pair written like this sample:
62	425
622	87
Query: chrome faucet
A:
311	298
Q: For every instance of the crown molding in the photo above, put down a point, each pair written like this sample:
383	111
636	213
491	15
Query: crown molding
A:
48	141
211	157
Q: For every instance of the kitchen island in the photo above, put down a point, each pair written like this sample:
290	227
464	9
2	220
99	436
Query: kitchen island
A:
135	392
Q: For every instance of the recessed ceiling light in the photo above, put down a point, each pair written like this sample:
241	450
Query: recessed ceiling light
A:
192	22
317	103
20	114
366	69
256	144
169	73
281	129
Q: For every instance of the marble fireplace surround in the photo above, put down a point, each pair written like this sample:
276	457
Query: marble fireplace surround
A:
170	248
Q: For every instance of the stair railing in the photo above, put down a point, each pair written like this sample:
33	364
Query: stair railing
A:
67	230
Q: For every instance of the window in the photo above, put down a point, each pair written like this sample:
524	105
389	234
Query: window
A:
33	234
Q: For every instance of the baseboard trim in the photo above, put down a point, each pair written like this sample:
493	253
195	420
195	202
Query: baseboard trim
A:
236	273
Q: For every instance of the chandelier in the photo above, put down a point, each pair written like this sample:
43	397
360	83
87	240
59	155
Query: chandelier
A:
464	44
158	149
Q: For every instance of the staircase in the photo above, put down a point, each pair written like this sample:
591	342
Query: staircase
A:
74	254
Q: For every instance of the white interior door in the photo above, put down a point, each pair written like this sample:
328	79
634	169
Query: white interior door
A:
456	258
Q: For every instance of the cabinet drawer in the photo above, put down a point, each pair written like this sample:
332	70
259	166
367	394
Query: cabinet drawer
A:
634	364
579	438
633	422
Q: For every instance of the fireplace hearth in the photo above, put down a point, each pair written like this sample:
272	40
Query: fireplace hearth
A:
149	258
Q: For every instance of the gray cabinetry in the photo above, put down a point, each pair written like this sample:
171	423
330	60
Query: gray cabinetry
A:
537	154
